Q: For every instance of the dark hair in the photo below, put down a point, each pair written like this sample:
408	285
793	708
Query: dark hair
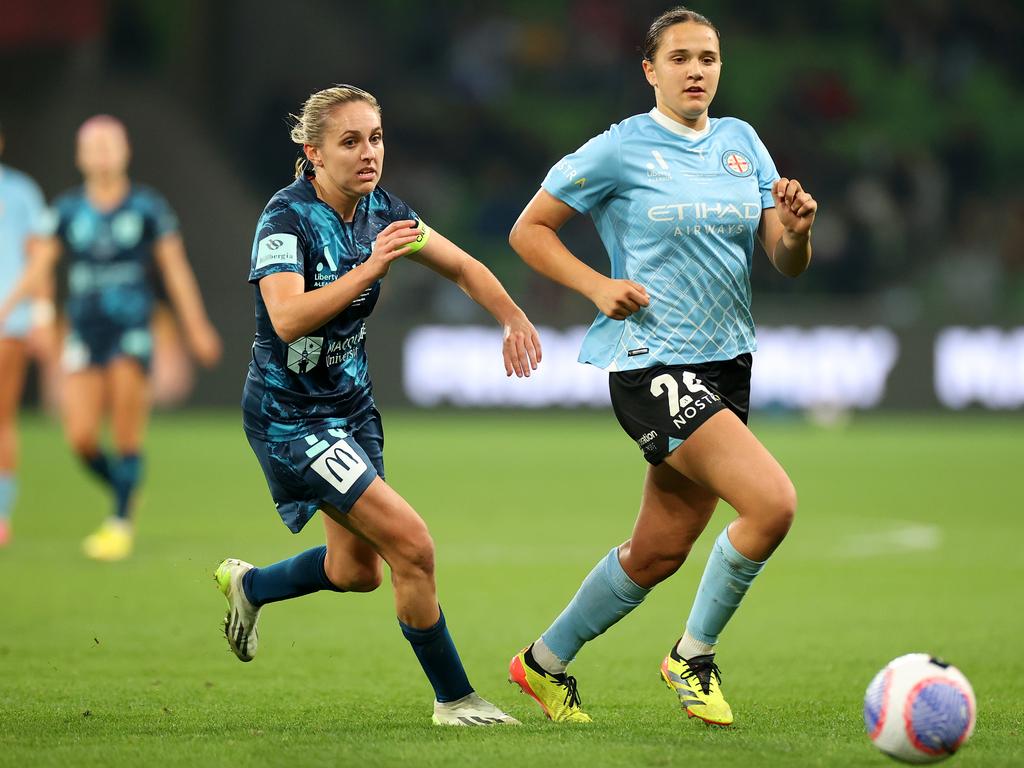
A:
678	15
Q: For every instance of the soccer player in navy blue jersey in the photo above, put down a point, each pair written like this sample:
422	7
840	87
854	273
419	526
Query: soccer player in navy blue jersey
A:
322	247
114	232
678	199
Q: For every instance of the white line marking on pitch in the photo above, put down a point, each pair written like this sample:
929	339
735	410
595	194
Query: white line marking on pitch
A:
907	537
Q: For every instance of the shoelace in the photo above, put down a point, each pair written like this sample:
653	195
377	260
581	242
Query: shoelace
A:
702	672
572	696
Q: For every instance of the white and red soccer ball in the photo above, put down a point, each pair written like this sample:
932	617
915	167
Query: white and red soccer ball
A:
919	709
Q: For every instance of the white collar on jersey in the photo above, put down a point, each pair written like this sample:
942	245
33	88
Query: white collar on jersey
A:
678	128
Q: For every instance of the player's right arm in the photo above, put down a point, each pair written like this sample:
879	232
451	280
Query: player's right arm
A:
296	312
43	253
535	238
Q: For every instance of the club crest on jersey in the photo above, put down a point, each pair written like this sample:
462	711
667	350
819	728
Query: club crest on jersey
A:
304	353
737	163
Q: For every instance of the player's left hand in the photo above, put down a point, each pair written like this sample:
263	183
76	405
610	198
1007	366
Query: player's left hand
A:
520	346
206	345
795	208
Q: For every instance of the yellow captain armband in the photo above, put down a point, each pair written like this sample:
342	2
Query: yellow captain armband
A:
420	241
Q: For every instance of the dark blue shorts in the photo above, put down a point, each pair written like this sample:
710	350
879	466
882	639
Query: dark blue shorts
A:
326	467
84	348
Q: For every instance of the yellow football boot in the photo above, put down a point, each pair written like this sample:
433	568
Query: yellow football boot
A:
556	694
113	541
696	682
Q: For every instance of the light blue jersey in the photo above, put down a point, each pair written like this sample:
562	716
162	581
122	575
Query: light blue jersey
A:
677	211
22	215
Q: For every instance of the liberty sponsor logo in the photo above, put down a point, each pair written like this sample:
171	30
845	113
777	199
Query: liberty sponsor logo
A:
737	163
304	353
683	408
326	270
659	172
277	249
126	229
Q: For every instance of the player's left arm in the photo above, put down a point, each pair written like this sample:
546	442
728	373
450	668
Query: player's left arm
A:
183	290
785	230
521	344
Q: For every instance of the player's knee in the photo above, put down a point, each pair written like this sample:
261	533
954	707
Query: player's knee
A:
354	577
649	567
780	508
415	555
83	443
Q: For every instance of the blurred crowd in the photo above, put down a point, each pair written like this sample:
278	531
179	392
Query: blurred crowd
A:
903	119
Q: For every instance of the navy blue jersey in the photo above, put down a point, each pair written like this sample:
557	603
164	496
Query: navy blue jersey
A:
319	381
110	256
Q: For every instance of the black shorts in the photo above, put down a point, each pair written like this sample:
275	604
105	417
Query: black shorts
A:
661	406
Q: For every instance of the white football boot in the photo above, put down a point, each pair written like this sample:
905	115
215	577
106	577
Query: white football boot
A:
240	620
470	710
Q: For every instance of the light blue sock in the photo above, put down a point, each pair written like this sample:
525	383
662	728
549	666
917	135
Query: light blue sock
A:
7	489
606	595
726	579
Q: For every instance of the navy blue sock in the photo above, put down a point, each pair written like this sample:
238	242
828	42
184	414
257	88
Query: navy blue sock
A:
125	479
436	652
297	576
99	465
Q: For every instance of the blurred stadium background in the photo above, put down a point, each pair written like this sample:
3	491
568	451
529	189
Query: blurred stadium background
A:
906	122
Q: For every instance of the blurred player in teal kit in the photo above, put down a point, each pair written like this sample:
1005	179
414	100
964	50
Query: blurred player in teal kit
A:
114	231
22	222
677	199
322	247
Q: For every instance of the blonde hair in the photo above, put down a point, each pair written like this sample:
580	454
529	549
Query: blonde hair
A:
309	125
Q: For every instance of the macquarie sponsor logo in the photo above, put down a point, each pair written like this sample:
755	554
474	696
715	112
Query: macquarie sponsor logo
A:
340	351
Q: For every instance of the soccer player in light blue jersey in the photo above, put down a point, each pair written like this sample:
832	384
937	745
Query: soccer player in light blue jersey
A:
678	199
22	223
322	247
114	232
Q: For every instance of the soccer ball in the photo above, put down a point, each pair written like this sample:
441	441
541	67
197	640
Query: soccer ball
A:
919	709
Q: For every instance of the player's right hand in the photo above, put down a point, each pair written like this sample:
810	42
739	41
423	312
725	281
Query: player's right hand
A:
618	299
391	244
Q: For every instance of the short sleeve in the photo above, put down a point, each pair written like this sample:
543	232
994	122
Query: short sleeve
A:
279	245
587	176
39	217
767	175
395	208
164	218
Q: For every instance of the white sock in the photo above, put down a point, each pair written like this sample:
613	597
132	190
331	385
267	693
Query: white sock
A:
547	660
689	646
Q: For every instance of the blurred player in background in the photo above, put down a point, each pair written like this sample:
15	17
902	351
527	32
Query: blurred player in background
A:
113	231
677	199
22	222
322	247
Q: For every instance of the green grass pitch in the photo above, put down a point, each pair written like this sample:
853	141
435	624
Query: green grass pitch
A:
908	538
